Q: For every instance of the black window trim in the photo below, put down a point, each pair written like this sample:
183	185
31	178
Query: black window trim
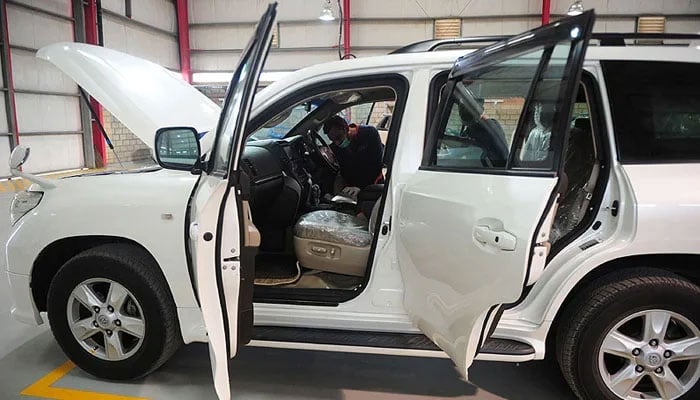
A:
618	155
546	38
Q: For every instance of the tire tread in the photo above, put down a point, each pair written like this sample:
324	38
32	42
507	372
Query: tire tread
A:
592	299
139	262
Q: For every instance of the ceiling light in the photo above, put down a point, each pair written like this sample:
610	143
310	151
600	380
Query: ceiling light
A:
576	8
326	12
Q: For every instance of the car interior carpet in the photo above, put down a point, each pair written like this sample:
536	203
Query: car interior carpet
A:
276	269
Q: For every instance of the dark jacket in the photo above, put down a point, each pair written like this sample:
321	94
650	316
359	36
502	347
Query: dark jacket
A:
361	162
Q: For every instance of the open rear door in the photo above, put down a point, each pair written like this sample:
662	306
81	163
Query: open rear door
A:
476	215
222	237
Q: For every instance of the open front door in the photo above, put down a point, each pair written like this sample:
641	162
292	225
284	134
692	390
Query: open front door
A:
476	215
222	236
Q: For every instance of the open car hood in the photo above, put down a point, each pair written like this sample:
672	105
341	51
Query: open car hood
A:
142	95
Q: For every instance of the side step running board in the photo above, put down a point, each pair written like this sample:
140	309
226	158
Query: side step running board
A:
506	347
344	338
493	348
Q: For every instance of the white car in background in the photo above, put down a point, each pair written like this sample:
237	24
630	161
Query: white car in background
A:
535	201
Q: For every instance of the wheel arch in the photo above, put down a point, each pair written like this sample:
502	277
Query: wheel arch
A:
677	263
55	255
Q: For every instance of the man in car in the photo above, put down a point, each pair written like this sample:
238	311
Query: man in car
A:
358	150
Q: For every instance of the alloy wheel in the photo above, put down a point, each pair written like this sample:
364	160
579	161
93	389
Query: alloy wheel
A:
651	354
106	319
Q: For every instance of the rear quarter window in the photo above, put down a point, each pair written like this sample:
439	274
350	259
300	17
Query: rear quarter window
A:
655	109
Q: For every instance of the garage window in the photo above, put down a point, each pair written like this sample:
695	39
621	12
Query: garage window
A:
656	110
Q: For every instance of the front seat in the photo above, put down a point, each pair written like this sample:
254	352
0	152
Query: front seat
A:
332	241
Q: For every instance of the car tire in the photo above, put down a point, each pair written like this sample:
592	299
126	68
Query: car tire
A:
90	330
602	338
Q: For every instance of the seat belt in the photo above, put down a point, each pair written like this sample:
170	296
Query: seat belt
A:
588	189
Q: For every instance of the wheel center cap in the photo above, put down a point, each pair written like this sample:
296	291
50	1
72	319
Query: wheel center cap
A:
654	360
104	321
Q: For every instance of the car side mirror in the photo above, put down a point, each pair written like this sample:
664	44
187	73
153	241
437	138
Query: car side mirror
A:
177	148
19	156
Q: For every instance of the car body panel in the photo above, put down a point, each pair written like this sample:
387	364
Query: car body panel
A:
647	204
108	205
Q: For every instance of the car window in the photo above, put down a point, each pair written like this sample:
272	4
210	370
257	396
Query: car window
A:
656	110
482	114
484	110
280	125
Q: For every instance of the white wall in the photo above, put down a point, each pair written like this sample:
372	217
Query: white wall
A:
219	29
49	123
150	33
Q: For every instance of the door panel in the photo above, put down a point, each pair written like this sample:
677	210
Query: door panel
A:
470	218
223	238
454	279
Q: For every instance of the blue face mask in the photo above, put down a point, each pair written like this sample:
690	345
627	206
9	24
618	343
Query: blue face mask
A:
345	143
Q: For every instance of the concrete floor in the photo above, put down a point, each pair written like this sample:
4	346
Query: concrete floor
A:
29	353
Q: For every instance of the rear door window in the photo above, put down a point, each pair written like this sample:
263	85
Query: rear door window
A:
656	110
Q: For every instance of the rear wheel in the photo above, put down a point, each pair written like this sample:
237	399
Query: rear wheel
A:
112	313
633	335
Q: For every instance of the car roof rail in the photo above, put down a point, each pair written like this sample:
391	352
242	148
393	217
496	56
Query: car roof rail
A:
604	39
619	39
437	44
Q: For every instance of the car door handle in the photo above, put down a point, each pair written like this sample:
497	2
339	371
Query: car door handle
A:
494	237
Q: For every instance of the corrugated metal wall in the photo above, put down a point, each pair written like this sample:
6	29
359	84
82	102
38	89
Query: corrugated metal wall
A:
48	105
219	29
47	102
150	32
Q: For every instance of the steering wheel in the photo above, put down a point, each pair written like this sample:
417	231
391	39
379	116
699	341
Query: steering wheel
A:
323	150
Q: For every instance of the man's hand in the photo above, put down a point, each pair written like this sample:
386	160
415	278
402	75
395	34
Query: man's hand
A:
351	192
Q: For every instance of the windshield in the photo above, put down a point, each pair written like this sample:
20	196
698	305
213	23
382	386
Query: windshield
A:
278	127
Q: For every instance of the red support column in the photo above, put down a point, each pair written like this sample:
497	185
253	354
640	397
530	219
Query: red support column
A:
7	58
346	27
92	37
545	11
183	39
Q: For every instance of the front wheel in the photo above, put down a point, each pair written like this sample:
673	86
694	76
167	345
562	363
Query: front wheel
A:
634	335
111	312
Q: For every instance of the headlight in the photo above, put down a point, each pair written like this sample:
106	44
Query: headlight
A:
23	203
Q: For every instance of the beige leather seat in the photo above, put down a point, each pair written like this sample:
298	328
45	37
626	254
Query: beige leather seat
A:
336	242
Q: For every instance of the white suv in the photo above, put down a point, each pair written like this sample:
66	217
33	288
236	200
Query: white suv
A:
534	201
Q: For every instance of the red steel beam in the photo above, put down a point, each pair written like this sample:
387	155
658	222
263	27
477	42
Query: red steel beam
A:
183	39
92	37
546	8
346	28
10	82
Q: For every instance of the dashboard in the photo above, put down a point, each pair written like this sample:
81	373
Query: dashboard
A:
280	172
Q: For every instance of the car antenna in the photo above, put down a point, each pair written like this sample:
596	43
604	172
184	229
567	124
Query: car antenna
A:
99	124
